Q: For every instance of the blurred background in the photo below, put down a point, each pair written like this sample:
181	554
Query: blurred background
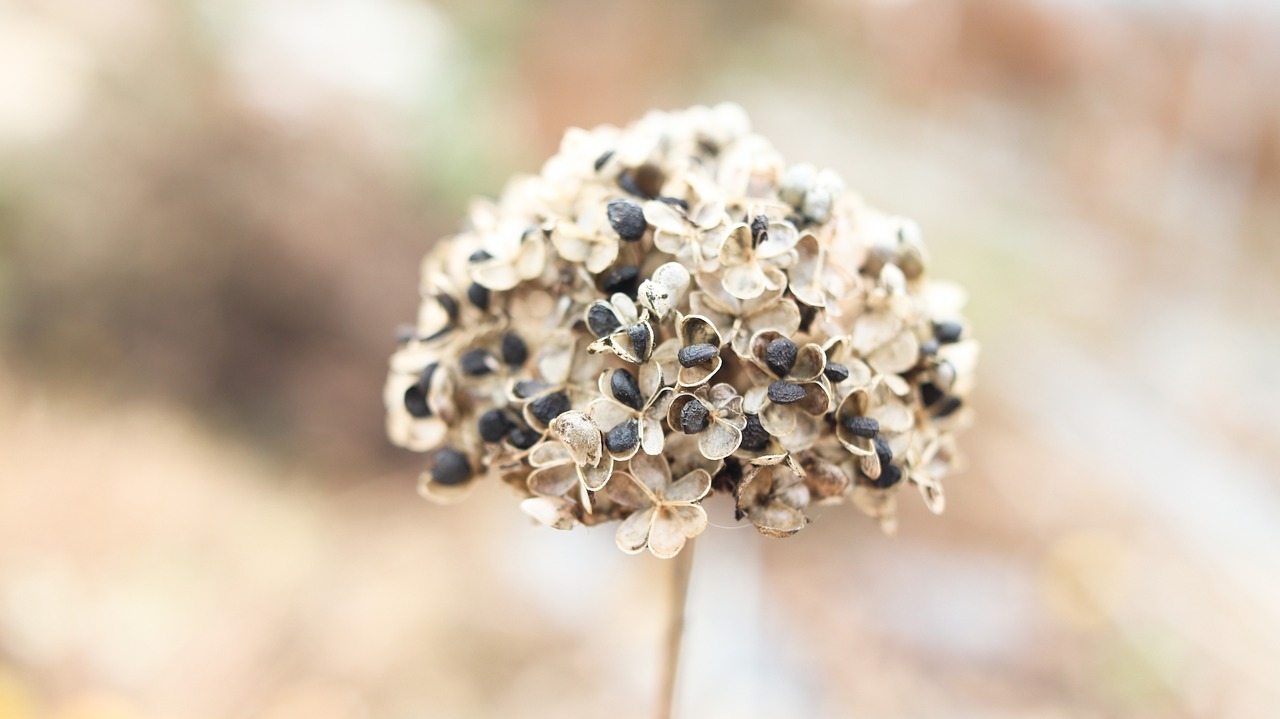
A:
211	214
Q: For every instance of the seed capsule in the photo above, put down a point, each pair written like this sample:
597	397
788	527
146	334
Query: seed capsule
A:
514	351
693	417
626	389
862	426
754	436
494	424
836	372
475	363
639	335
695	355
550	406
627	219
415	402
602	321
780	355
478	295
783	392
623	437
451	467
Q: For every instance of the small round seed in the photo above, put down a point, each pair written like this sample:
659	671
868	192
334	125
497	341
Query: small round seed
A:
780	355
883	452
415	401
862	426
929	348
694	355
626	389
602	320
754	436
948	407
948	332
759	230
479	256
603	158
478	294
836	372
476	363
627	219
625	279
550	406
514	351
639	335
930	394
523	438
451	467
623	437
694	417
494	424
890	475
644	181
783	392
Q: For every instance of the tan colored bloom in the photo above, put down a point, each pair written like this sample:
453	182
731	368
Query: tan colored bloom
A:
575	457
620	328
738	320
791	393
512	252
749	250
714	415
773	497
693	237
630	414
588	238
667	513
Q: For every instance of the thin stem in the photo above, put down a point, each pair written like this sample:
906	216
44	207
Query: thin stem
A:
681	567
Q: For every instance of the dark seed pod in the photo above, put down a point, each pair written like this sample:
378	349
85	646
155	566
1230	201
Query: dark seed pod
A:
479	256
862	426
415	401
494	424
627	219
602	321
476	363
759	230
623	437
930	394
948	407
890	474
780	355
451	467
783	392
639	334
625	279
948	332
694	417
695	355
478	295
549	406
883	452
754	436
836	372
603	158
626	389
523	438
514	351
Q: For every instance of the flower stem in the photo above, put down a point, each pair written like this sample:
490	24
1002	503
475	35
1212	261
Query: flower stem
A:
681	567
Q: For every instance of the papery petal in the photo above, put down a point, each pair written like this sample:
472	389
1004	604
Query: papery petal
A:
690	488
633	533
495	275
601	254
553	481
665	218
570	245
549	453
652	471
673	526
744	280
608	413
696	329
810	362
627	491
777	520
555	512
532	257
778	420
652	435
596	476
719	440
897	355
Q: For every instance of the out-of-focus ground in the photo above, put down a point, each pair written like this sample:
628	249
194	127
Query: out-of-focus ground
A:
210	220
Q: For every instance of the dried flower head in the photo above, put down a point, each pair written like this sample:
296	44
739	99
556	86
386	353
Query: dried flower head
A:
669	311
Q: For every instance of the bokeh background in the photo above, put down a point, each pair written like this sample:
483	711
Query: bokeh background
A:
211	214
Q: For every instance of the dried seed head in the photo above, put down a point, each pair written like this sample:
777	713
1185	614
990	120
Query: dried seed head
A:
627	219
698	354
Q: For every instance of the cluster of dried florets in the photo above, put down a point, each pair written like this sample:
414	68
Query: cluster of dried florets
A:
669	310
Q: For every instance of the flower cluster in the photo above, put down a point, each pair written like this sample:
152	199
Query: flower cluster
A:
668	311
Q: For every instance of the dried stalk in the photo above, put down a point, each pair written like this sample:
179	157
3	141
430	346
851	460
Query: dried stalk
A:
681	568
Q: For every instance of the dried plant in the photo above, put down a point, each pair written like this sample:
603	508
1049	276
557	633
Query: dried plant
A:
667	311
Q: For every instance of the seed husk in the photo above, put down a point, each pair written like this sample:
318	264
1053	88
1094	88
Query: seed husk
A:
780	355
623	437
451	467
783	392
862	426
698	354
694	417
626	389
602	321
627	219
549	406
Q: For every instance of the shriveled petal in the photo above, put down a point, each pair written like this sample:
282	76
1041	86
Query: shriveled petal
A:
754	400
697	375
673	526
744	280
776	519
601	254
805	435
533	256
874	329
608	413
931	490
897	355
817	400
495	275
652	471
893	415
627	491
580	435
722	395
782	237
633	533
570	245
736	248
783	316
666	218
553	481
671	243
549	453
778	420
708	214
652	435
719	440
810	362
690	488
697	329
556	358
555	512
596	476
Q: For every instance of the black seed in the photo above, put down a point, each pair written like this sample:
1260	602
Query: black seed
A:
862	426
693	417
627	219
514	351
625	279
694	355
883	452
623	437
478	294
644	181
759	230
836	372
675	202
754	436
602	321
626	389
494	424
929	348
451	467
930	394
948	407
450	306
522	438
475	363
603	158
415	400
424	379
780	355
479	256
639	335
527	388
783	392
948	332
548	407
890	475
